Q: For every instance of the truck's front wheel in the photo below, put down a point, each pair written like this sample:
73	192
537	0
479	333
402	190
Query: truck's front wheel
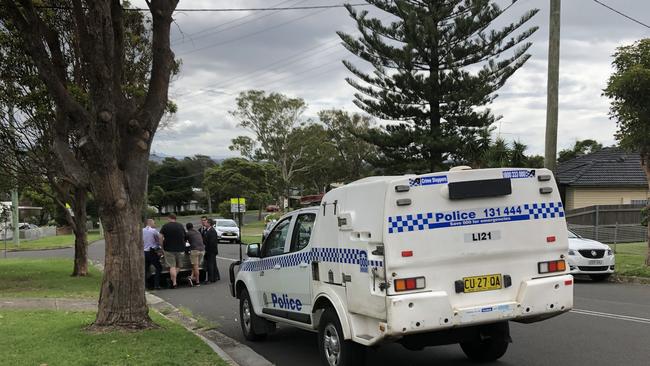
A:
334	349
248	318
486	350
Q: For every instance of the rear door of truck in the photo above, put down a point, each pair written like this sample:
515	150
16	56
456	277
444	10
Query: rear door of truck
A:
475	234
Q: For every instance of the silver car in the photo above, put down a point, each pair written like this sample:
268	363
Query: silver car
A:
589	257
227	230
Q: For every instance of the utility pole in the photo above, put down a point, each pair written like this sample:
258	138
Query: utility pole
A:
14	190
552	85
207	193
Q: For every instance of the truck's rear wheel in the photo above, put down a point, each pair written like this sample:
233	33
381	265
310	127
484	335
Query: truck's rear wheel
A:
248	318
486	350
334	349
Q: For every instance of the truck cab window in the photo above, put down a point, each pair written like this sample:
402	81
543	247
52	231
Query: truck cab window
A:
302	231
274	243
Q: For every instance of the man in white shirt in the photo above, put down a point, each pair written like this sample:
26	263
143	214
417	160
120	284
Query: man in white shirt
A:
152	239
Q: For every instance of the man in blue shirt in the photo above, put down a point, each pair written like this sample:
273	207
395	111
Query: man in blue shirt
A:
151	238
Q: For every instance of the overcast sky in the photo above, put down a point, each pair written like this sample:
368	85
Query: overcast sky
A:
298	53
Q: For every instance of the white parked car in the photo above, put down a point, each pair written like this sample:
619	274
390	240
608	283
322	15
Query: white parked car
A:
227	230
589	257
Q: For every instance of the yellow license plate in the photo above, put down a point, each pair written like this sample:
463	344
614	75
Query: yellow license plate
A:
482	283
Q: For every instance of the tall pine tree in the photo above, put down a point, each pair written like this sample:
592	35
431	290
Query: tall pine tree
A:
437	66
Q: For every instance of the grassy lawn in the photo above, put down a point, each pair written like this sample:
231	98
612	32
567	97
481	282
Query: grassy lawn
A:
51	242
252	232
58	338
46	278
630	259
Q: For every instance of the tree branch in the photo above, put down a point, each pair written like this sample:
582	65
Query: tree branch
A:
162	62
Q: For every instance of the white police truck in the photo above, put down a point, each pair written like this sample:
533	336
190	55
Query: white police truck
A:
422	260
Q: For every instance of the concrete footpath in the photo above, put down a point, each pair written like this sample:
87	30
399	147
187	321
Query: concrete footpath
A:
48	304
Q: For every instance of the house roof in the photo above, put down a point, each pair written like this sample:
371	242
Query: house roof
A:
609	167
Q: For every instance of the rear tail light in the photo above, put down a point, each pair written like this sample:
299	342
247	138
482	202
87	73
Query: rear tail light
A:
551	266
408	284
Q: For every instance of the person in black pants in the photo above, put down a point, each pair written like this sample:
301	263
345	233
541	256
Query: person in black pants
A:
211	240
152	241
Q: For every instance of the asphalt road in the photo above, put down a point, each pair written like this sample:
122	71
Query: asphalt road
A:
610	325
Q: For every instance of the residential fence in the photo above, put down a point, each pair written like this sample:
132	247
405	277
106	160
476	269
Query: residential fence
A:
608	223
29	234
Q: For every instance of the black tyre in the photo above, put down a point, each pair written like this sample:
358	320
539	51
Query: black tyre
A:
599	277
333	348
248	318
486	350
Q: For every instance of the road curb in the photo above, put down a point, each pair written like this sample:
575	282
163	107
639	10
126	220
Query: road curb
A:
216	340
231	351
630	279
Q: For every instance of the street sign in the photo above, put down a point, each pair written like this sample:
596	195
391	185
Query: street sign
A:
237	205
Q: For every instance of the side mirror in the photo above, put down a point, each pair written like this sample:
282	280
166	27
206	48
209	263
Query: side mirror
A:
253	250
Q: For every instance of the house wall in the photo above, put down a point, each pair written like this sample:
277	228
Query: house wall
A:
577	197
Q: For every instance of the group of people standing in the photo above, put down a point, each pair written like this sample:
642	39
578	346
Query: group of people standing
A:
173	242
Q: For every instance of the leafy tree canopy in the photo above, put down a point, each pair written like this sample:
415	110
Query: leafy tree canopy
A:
629	88
581	147
436	65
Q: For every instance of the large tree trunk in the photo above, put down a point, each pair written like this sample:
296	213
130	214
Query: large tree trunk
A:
114	130
80	233
122	302
77	221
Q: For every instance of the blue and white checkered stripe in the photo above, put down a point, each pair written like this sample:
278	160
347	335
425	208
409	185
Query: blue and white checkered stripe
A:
426	221
545	210
332	255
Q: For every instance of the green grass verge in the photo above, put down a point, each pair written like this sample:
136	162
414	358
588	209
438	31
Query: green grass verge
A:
59	338
50	278
51	242
630	259
201	322
252	232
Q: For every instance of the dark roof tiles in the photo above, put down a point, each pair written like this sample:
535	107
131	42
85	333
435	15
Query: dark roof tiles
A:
609	167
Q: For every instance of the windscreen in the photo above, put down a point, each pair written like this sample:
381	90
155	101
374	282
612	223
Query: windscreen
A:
226	223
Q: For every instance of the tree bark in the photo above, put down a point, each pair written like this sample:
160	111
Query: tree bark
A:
114	134
77	195
80	233
121	299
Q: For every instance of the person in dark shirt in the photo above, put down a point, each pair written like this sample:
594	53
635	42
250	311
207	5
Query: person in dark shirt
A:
173	245
210	240
204	225
197	250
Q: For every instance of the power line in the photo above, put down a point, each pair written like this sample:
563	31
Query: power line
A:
326	71
622	14
319	66
213	10
255	33
294	59
216	29
307	7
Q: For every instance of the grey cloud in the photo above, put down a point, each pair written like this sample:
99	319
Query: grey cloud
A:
590	35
